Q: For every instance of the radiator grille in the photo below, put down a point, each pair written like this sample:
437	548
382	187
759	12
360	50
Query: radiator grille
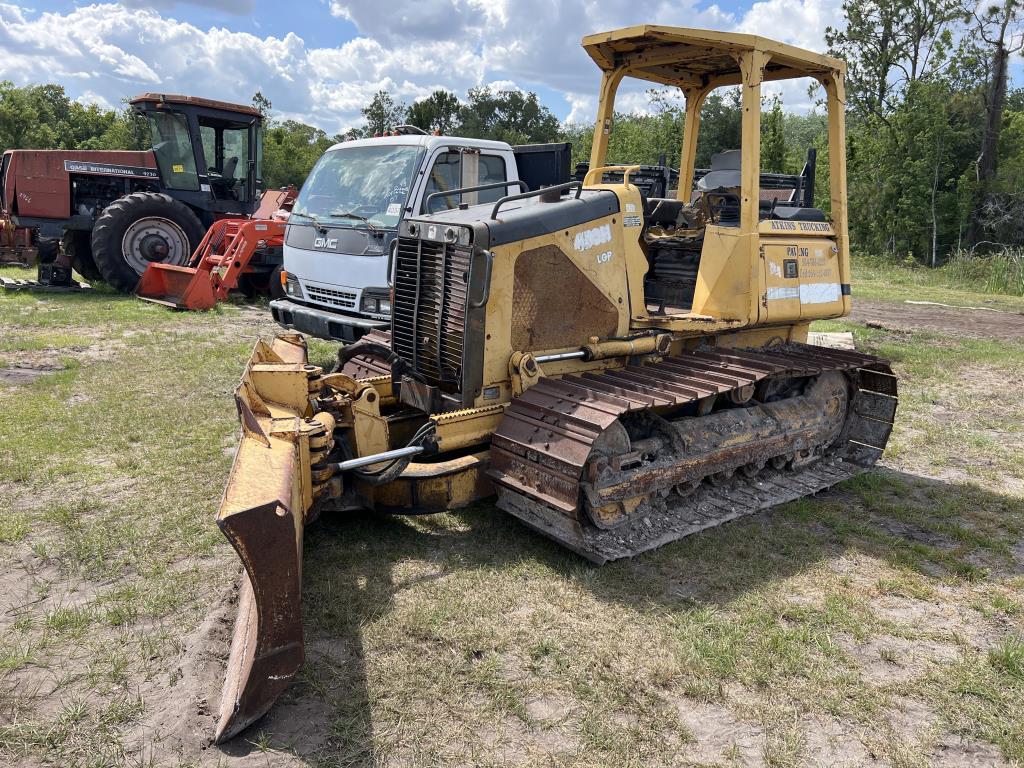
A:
342	299
429	316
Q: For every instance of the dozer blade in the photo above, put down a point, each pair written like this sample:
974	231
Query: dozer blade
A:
177	287
266	649
263	514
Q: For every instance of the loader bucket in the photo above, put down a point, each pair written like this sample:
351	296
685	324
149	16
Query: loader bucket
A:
178	287
263	514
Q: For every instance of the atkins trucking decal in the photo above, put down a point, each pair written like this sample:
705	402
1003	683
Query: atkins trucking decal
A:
108	169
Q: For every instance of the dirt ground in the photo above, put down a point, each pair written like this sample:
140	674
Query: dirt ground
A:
839	631
978	323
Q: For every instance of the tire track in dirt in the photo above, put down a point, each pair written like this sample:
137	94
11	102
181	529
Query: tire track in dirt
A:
957	321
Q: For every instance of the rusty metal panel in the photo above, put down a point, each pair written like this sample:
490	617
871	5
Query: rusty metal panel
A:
42	185
554	304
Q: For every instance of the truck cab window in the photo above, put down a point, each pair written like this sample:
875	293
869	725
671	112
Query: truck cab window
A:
454	170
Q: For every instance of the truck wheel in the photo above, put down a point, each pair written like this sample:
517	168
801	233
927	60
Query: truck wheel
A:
275	288
78	248
139	229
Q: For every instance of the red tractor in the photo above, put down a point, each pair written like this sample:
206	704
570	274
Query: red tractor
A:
114	213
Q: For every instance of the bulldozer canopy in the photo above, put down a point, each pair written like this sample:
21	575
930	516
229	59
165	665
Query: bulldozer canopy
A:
697	57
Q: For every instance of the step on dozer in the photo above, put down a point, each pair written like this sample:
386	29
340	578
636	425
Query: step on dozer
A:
222	258
619	372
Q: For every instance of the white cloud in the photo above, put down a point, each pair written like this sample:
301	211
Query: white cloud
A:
88	97
805	20
111	51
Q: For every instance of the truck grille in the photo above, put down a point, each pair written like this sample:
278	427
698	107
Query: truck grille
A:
342	299
428	323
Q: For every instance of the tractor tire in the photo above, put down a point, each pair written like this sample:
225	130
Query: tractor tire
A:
139	229
78	248
47	250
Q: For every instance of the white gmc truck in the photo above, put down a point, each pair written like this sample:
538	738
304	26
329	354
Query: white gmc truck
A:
340	233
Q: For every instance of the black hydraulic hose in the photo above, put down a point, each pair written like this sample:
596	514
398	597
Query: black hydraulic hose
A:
378	351
397	466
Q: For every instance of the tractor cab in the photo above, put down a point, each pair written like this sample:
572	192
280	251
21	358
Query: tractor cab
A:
208	153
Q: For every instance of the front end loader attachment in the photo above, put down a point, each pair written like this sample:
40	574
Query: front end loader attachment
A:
221	259
263	514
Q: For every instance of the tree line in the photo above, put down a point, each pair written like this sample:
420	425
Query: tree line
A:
935	131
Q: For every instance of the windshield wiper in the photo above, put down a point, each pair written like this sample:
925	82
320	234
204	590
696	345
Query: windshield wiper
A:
351	215
316	222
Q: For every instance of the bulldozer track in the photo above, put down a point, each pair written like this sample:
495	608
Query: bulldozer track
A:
546	439
368	367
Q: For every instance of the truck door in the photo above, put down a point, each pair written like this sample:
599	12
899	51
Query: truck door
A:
459	167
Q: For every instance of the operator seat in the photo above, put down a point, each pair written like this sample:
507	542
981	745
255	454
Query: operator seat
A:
721	187
223	183
724	173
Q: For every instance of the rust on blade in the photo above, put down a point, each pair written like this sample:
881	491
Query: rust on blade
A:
263	514
261	519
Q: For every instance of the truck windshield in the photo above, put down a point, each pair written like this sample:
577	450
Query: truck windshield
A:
369	183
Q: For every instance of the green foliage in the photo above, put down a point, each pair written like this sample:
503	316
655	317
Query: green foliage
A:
290	149
918	106
438	112
382	114
43	117
658	135
889	45
998	272
721	118
636	138
513	116
773	139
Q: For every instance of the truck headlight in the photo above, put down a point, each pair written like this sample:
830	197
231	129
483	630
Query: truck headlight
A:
377	302
291	286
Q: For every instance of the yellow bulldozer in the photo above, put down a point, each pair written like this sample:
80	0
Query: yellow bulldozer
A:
619	371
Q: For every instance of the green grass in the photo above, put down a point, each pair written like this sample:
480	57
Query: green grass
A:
465	638
975	282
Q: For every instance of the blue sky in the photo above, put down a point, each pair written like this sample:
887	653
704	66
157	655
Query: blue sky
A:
321	60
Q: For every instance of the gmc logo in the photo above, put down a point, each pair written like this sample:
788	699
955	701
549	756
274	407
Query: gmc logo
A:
325	242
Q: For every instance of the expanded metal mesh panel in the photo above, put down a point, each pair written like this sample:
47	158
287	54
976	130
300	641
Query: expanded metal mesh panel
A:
555	305
429	315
